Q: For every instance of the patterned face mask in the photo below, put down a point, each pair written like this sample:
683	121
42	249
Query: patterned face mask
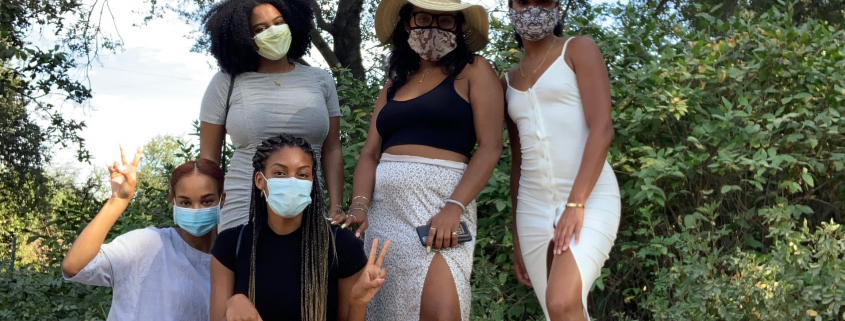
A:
534	23
432	44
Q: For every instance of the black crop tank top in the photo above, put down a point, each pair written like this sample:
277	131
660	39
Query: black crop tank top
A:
439	118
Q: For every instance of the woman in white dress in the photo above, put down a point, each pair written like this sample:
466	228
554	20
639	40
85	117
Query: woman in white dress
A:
565	195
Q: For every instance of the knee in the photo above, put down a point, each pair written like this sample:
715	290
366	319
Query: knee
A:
439	315
564	307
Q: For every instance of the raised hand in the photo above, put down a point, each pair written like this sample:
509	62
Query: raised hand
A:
124	176
373	277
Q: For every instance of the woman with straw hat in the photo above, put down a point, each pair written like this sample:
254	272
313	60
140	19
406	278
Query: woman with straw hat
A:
565	194
417	176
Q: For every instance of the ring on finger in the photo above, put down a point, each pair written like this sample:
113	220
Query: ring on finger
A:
433	229
353	215
455	233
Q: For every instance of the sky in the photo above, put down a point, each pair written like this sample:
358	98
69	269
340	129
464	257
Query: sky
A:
152	86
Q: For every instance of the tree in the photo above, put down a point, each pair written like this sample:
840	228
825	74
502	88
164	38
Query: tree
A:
32	79
831	11
337	34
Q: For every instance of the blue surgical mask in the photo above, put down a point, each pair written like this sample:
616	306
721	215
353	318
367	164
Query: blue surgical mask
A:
196	221
287	197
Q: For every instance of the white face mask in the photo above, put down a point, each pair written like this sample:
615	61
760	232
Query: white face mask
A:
274	42
432	44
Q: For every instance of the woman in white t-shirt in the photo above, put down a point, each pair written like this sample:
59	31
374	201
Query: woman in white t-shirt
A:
156	274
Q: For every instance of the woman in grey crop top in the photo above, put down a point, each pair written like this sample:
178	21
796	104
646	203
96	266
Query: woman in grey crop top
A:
256	47
417	166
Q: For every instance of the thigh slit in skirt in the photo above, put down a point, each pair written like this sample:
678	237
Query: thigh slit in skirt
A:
408	191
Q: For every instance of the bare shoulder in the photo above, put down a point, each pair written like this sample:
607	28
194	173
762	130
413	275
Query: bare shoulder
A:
583	46
479	68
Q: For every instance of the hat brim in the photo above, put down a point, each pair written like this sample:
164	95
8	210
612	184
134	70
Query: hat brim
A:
475	27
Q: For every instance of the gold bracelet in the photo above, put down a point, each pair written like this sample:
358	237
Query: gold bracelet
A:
575	205
359	196
357	208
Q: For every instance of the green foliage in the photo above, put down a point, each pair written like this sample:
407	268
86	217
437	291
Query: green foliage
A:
27	295
729	152
716	132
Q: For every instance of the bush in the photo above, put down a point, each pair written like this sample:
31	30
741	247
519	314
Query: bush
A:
729	152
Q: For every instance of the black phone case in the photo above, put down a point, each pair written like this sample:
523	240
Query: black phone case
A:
463	233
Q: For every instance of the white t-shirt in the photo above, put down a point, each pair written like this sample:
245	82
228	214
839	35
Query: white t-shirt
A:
154	275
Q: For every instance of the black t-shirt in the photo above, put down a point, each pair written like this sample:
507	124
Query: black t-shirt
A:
278	268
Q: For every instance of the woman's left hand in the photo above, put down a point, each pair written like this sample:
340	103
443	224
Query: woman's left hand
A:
372	277
569	224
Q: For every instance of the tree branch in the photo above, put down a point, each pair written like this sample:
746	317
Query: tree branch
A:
660	7
324	48
566	10
321	22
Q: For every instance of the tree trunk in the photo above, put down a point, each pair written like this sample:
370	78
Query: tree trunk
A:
345	30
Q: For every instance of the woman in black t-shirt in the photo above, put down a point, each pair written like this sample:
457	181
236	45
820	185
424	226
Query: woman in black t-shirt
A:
306	269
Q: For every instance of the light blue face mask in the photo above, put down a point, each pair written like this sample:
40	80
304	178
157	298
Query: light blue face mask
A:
196	221
288	197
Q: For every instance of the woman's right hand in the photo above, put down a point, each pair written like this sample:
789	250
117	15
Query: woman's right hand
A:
238	308
519	267
124	176
354	216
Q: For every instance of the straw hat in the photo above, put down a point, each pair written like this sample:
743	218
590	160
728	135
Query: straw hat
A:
474	28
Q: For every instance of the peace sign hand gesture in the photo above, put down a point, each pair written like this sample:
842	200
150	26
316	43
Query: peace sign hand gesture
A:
373	275
124	176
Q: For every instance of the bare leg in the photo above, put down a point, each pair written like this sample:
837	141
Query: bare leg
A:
439	300
563	294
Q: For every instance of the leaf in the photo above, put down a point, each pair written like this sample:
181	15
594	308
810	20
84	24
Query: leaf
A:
500	205
808	179
689	221
750	241
804	96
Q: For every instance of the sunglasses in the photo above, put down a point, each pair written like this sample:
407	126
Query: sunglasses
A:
425	20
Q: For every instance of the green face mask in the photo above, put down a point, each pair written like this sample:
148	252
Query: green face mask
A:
274	42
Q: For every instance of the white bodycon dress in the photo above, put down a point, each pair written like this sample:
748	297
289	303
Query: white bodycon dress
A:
553	132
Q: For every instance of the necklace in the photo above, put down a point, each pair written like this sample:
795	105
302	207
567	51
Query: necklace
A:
276	79
425	74
542	62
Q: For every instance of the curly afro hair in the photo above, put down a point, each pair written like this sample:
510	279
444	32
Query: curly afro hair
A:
227	25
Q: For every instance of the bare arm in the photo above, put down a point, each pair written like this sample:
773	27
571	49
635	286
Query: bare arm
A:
222	288
487	100
211	141
516	173
346	310
516	163
364	179
594	84
331	160
87	245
